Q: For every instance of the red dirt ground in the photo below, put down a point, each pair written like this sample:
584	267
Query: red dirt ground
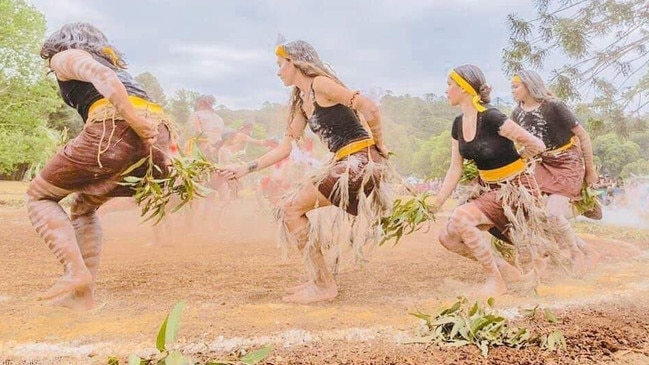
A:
232	280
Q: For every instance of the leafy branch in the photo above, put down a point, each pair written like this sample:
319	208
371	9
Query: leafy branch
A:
588	200
183	184
407	217
480	324
469	172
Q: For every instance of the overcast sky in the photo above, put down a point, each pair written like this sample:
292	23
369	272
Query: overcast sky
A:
225	48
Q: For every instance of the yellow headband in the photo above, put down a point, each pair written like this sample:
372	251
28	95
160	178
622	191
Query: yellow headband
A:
517	78
281	52
112	54
464	85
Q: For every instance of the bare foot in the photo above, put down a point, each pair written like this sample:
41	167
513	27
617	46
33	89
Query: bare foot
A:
67	283
578	262
591	257
297	288
509	272
526	285
80	300
313	293
493	287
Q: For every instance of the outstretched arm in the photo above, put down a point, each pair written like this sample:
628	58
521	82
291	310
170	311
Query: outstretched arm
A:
452	177
353	99
259	142
294	131
532	146
75	64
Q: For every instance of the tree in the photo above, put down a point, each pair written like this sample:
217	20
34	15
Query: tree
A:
637	168
614	153
65	119
440	158
605	42
641	139
434	156
27	96
152	87
181	105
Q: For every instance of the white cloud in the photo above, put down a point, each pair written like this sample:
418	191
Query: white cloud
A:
217	52
60	12
226	48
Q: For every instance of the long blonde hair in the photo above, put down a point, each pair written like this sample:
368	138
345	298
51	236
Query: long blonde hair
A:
535	85
305	58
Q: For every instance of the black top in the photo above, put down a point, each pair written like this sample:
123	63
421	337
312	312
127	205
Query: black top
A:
80	94
552	122
336	125
488	149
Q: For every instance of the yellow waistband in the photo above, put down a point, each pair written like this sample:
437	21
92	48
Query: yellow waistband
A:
562	148
353	148
502	173
138	103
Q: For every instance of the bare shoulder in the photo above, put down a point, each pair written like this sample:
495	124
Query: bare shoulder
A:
64	62
67	55
323	83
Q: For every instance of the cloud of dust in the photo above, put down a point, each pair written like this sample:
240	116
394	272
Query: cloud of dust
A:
629	207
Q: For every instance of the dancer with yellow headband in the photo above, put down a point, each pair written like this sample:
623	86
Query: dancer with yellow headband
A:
507	199
122	126
353	180
566	164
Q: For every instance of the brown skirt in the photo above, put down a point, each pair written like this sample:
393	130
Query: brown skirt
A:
93	162
355	164
561	174
490	202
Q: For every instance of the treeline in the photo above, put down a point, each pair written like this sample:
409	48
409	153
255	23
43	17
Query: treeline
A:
34	121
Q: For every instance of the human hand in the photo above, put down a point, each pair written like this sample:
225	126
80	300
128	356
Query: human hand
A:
231	172
434	206
527	153
383	150
146	129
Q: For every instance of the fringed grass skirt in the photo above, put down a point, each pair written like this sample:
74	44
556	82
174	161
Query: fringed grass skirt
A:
360	187
518	209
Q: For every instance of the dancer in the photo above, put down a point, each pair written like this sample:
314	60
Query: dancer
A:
354	180
567	162
486	136
234	144
122	126
207	126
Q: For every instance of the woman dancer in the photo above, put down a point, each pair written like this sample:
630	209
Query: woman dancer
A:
486	136
353	180
567	162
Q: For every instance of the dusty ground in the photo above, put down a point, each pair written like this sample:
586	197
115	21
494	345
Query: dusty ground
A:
232	279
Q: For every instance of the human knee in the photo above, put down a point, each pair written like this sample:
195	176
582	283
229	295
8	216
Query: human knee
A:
559	206
39	189
458	223
290	211
445	239
84	206
35	192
